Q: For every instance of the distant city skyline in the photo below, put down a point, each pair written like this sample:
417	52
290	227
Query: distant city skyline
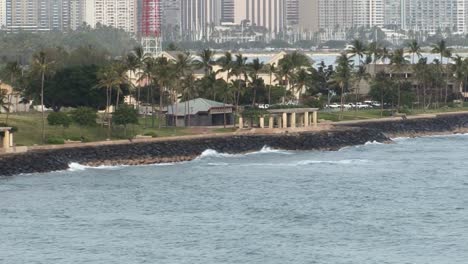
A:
197	19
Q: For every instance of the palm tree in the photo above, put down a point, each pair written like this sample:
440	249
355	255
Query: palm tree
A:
183	68
226	63
121	78
271	69
108	79
135	63
225	90
206	60
444	52
239	70
460	69
375	52
189	91
358	48
414	50
255	67
342	76
42	63
163	74
398	60
290	64
359	75
147	75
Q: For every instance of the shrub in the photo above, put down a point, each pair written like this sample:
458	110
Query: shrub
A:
84	116
59	119
55	141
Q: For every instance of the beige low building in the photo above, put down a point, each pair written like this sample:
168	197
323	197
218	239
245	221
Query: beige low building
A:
14	100
287	118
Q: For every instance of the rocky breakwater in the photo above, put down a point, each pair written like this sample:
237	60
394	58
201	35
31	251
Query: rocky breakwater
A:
438	124
174	150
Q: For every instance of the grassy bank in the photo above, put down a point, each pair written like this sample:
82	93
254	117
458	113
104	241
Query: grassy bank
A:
29	126
376	113
29	130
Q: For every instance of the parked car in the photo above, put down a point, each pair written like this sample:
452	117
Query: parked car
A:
333	106
362	106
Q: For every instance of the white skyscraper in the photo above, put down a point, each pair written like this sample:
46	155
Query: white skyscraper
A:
2	13
270	14
368	13
120	14
429	15
198	18
462	16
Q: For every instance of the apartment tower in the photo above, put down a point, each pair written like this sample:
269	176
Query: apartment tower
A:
198	18
270	14
120	14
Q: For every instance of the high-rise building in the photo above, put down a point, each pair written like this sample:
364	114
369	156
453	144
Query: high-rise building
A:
227	11
270	14
22	15
368	13
42	15
77	13
120	14
462	16
308	16
198	18
429	15
170	12
292	12
335	14
2	13
393	13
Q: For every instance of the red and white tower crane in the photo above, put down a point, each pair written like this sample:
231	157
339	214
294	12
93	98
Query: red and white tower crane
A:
151	27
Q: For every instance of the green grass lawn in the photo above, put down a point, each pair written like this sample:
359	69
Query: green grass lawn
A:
30	124
376	113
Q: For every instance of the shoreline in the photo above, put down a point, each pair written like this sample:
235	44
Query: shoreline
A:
175	150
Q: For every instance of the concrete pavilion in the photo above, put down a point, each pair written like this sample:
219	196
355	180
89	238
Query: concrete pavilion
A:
6	139
288	118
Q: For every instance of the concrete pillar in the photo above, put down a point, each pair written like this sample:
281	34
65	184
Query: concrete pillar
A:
6	140
11	140
271	122
241	122
293	120
262	122
280	121
306	119
315	118
285	120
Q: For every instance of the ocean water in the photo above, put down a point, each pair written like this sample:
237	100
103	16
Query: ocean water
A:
397	203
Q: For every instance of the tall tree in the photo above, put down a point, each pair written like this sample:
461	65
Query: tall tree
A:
444	51
206	60
43	65
255	67
358	49
414	49
398	61
108	79
342	77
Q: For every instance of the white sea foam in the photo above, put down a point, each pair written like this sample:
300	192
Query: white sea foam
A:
373	143
210	153
339	162
79	167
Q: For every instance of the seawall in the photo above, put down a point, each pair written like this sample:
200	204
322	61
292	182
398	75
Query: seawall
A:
176	150
138	153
